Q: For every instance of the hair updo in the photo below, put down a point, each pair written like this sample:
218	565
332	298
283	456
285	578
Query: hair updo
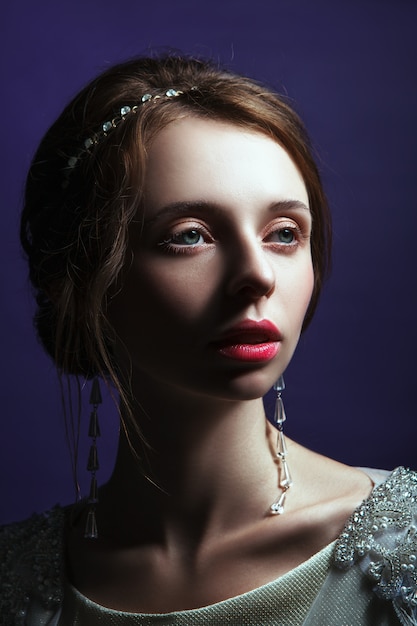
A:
80	202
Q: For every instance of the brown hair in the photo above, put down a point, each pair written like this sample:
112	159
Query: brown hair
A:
75	221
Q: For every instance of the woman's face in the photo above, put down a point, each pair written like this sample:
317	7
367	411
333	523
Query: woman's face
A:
225	245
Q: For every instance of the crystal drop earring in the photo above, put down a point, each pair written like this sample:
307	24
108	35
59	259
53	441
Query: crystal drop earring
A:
285	480
93	464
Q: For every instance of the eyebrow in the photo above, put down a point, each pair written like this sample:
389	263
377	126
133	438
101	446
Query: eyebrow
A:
289	205
182	207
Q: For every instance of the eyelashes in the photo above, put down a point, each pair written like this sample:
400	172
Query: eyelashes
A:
191	237
283	237
186	240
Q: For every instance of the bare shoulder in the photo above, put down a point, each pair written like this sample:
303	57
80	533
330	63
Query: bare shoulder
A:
323	497
323	481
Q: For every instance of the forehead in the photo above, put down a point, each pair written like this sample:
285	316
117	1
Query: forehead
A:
193	157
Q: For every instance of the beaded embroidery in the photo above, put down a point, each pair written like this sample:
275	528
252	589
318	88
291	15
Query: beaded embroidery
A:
31	565
381	536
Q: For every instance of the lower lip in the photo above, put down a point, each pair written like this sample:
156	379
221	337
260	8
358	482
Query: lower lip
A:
252	353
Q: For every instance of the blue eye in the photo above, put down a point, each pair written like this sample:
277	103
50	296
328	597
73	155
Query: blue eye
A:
185	241
190	237
285	235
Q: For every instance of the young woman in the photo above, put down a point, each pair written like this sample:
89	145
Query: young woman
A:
177	235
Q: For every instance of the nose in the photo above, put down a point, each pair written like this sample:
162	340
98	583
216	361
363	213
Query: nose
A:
251	273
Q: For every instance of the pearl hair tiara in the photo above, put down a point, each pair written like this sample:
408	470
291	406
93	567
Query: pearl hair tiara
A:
109	125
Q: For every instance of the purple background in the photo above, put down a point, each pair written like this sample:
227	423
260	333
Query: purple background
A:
350	66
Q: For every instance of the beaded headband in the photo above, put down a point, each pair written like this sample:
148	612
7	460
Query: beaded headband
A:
109	125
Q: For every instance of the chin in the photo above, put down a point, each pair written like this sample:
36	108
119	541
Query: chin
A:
251	386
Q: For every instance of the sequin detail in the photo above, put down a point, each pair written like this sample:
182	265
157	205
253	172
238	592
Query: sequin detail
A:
31	565
381	536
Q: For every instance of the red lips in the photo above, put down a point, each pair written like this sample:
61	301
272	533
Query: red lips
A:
250	341
251	332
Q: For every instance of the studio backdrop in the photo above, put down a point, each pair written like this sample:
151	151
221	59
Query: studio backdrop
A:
350	69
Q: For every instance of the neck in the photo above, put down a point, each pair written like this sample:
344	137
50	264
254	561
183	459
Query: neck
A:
205	464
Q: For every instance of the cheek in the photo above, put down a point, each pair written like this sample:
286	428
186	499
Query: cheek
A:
161	293
308	286
299	293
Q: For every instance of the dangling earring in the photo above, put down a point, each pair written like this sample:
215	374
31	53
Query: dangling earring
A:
93	464
285	481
